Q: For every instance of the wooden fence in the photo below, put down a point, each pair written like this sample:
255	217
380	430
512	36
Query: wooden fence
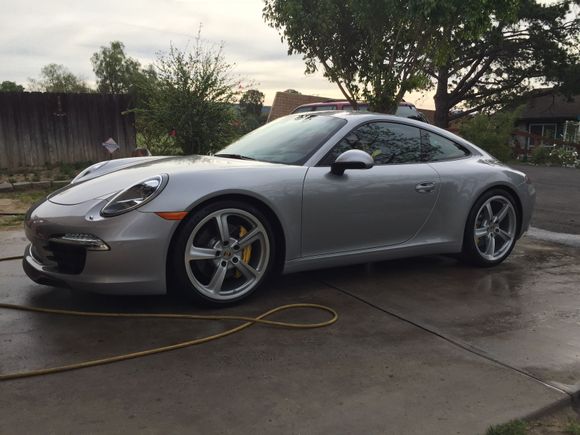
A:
41	129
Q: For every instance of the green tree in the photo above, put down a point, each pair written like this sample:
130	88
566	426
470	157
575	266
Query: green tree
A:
8	86
187	103
251	103
493	133
535	44
116	72
57	78
376	49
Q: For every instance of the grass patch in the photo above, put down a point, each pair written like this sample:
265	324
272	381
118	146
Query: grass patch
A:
516	427
27	196
18	202
11	221
573	428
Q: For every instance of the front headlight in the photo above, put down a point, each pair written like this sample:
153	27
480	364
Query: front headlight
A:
135	196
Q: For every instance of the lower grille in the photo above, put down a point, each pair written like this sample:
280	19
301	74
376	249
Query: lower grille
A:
69	259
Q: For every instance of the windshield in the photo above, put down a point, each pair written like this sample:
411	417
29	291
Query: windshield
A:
290	140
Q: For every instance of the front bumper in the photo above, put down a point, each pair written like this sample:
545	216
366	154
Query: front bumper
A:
134	264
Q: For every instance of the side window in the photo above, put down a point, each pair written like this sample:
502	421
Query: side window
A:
387	143
439	148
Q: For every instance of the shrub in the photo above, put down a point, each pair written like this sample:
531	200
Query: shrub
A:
541	155
491	132
564	157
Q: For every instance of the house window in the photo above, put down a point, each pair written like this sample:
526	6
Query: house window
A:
542	134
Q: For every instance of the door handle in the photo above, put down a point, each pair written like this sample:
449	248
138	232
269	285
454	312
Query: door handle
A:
425	187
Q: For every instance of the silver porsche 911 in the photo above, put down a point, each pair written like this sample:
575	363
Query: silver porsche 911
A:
306	191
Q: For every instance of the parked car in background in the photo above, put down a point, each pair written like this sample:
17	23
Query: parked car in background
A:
405	110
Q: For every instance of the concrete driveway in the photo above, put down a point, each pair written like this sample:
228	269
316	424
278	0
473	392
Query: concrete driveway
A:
425	345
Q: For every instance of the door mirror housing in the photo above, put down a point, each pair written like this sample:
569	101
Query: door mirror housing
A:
352	159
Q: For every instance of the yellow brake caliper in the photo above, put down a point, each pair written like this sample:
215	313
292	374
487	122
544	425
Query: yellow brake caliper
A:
246	252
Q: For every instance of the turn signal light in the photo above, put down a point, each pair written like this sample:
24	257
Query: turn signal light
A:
172	215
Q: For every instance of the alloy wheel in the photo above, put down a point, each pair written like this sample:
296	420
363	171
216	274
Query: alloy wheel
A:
495	228
227	254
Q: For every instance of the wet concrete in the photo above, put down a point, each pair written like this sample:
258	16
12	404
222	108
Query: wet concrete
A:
370	373
524	313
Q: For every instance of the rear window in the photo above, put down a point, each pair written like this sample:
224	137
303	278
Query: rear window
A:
327	107
361	107
304	109
437	148
406	111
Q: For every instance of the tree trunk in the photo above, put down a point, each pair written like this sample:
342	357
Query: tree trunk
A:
442	98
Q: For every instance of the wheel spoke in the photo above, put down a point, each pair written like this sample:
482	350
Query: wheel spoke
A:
502	213
215	285
248	271
489	211
250	238
504	235
490	248
222	223
480	232
197	253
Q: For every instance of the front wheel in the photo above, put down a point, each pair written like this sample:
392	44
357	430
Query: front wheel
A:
223	253
491	229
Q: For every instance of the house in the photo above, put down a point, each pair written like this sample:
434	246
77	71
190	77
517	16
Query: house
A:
285	102
548	120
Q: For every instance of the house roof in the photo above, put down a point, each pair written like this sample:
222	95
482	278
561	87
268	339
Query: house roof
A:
285	102
552	107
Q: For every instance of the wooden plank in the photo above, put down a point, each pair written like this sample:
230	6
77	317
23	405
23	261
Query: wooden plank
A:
36	130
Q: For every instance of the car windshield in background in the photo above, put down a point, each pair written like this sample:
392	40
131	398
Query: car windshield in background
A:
290	140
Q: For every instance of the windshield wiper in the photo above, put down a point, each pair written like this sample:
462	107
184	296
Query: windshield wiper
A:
234	156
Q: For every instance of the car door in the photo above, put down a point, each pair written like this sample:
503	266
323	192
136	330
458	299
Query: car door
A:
369	208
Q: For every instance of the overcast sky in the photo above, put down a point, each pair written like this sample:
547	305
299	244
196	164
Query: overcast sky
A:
37	32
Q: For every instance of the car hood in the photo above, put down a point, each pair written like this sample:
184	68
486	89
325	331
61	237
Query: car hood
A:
108	183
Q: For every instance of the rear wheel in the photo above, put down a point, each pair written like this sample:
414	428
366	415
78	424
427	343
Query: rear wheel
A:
491	229
223	253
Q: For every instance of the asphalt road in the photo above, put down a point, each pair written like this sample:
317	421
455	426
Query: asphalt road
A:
558	198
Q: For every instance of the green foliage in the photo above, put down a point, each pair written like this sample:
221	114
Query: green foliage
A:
57	78
250	116
573	428
251	103
516	427
565	157
189	97
376	49
540	155
116	72
8	86
491	132
526	44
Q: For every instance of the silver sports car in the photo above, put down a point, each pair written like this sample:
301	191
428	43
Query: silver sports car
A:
306	191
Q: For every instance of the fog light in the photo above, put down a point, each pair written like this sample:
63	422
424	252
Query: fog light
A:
87	241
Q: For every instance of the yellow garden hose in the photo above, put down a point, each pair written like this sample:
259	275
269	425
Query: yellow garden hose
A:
247	322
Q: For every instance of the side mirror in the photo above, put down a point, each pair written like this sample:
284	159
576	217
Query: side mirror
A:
352	159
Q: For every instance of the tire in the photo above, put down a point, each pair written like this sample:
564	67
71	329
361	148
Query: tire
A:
491	229
213	271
